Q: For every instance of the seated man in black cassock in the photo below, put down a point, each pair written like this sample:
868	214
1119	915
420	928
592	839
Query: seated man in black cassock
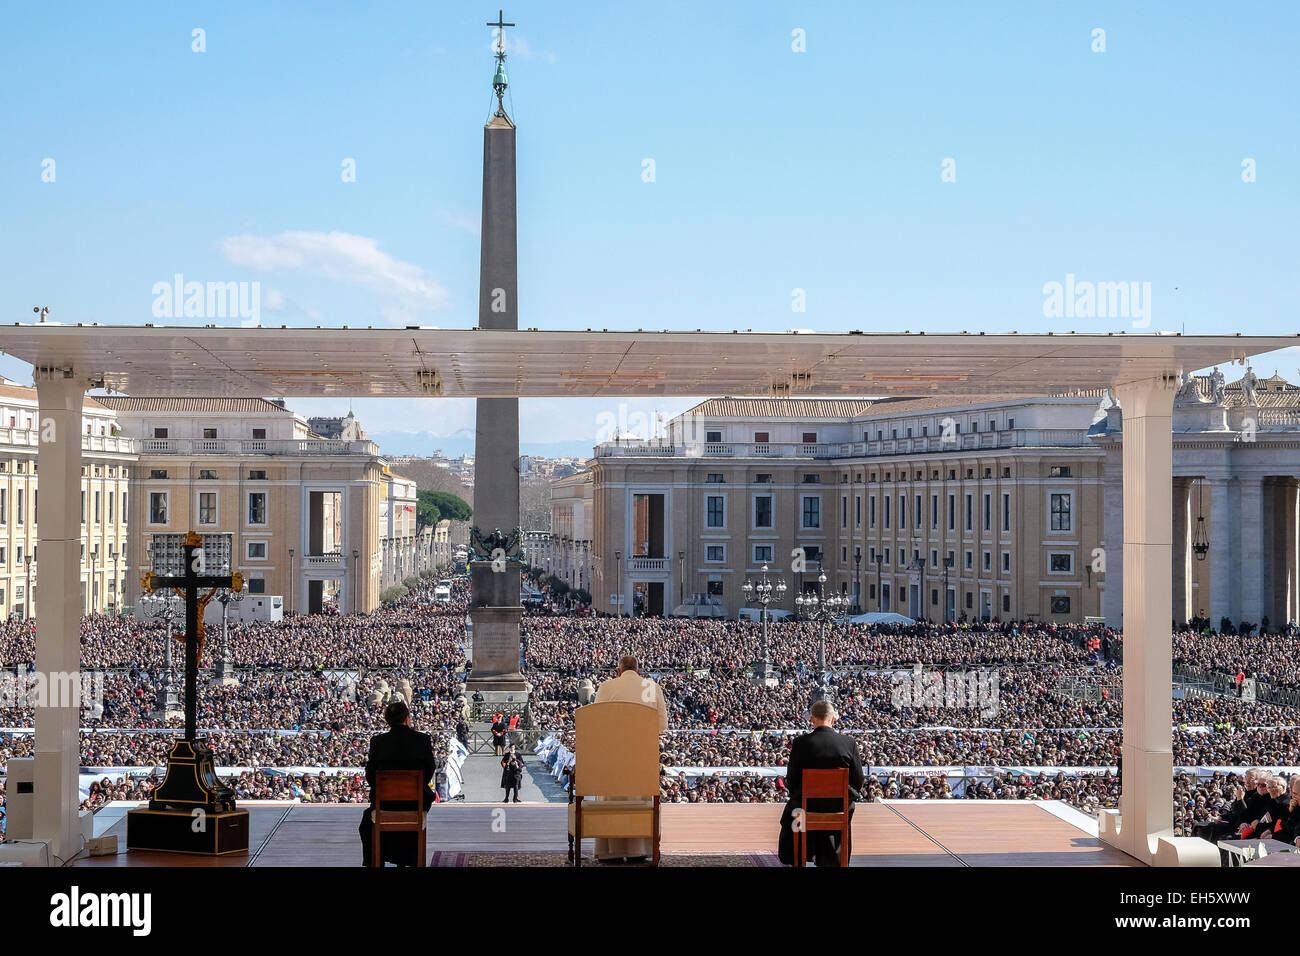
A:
823	749
402	748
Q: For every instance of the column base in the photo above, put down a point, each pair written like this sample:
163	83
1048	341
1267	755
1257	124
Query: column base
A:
496	651
1151	775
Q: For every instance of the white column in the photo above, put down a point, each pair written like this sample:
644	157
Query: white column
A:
1293	551
1146	798
60	396
1113	537
1251	567
1182	551
1220	535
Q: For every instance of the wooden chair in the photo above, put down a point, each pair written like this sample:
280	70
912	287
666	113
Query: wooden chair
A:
824	785
395	786
617	761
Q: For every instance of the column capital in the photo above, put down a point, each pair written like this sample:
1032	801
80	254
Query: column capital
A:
1154	396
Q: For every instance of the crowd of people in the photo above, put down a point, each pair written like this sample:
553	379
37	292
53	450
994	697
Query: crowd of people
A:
311	692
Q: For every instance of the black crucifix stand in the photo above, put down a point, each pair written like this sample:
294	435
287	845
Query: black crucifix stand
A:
191	811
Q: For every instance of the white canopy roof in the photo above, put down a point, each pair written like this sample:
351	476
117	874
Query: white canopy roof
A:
295	362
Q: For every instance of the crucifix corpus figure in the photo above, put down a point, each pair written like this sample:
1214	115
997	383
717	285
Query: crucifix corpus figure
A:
191	781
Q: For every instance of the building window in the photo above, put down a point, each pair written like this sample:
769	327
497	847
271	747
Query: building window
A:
988	512
934	512
257	549
98	497
257	507
1059	471
762	554
812	479
952	512
207	507
844	511
970	560
4	505
209	433
259	434
713	438
887	511
968	513
257	475
1061	604
160	433
256	585
158	507
111	501
716	511
812	512
1006	603
988	561
762	511
207	474
83	507
857	511
158	473
762	478
1006	561
715	589
716	479
810	438
1060	512
871	517
1061	563
970	599
1006	511
715	552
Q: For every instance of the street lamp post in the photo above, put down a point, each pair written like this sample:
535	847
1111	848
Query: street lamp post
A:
168	701
356	583
823	610
857	579
292	586
880	594
226	665
681	577
761	594
947	564
27	605
618	582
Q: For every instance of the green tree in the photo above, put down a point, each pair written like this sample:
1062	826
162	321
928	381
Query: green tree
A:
426	512
449	505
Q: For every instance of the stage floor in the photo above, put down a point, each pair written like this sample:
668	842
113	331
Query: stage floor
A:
895	833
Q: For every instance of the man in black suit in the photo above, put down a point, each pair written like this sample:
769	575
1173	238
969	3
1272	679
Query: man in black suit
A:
402	748
823	749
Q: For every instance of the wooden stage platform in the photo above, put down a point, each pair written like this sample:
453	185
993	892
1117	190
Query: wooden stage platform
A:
896	833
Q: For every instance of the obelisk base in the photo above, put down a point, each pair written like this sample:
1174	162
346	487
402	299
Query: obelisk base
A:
496	651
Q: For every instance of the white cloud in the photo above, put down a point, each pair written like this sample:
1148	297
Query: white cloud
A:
343	257
516	45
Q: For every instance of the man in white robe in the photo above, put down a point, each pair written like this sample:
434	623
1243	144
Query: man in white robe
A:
630	687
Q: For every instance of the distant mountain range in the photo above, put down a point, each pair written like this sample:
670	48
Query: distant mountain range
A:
453	446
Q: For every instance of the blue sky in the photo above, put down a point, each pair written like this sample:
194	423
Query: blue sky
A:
775	170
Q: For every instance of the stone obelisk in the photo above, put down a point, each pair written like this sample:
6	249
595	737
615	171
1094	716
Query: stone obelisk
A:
496	560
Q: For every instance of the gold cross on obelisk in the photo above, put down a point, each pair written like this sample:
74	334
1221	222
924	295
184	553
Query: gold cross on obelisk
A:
499	81
501	32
